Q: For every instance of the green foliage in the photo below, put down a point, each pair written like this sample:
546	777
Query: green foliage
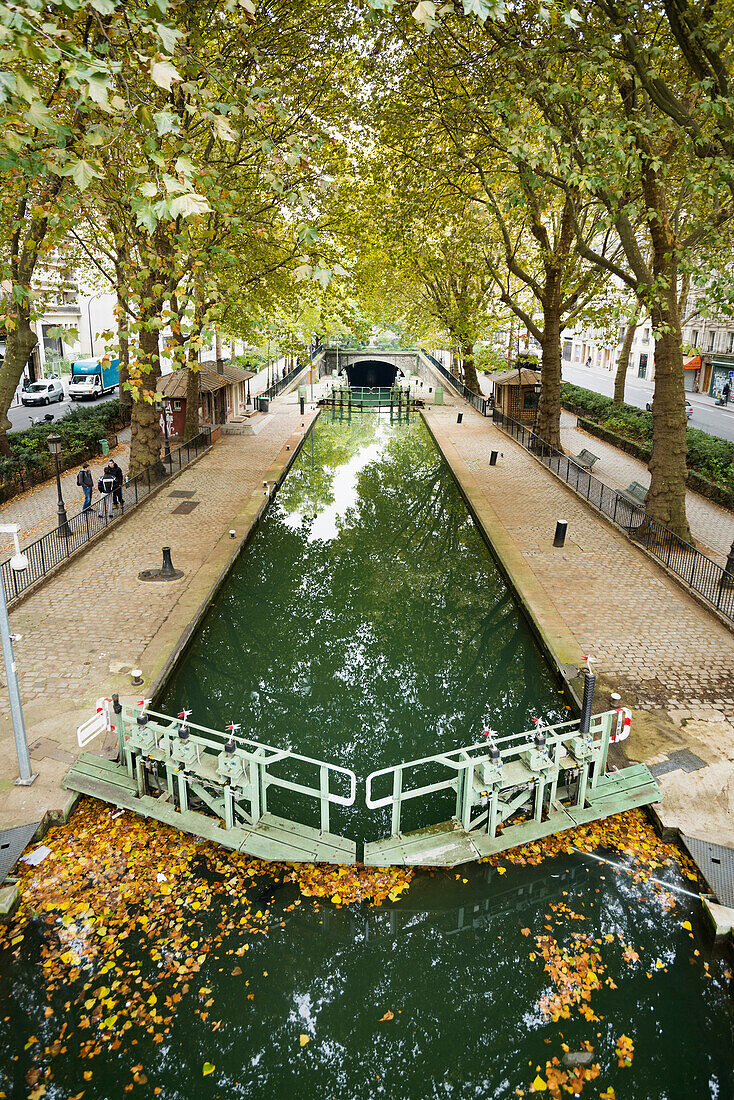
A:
80	431
708	455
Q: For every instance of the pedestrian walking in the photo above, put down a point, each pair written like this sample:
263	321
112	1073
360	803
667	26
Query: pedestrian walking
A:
105	485
117	474
725	392
85	481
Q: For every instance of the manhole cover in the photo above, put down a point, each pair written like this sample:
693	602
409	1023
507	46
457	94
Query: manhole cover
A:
717	866
12	844
184	508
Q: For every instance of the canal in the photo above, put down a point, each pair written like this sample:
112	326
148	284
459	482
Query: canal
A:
366	623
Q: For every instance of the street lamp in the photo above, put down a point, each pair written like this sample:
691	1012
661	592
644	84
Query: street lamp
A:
536	389
53	442
18	563
161	407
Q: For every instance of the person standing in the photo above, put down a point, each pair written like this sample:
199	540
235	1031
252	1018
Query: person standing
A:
105	485
726	391
117	474
85	481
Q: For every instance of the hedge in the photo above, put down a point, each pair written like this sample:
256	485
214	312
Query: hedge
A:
709	458
30	463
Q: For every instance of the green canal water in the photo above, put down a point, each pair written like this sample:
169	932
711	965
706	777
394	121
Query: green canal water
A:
365	623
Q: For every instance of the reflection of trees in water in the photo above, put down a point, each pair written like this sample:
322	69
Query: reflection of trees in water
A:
394	638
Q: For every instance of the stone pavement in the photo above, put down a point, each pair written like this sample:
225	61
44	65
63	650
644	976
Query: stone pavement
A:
711	525
35	510
91	622
670	659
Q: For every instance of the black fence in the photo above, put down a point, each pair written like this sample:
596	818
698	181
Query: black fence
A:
284	382
62	542
482	404
700	573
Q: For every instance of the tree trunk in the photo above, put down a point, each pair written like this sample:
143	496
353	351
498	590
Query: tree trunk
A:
124	343
624	358
470	370
191	425
145	442
549	410
666	497
21	341
218	351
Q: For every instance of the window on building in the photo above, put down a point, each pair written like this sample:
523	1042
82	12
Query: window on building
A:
712	341
622	330
530	399
567	350
642	366
694	338
177	406
646	335
730	343
577	353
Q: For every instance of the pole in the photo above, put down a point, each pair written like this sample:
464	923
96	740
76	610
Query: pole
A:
63	524
16	709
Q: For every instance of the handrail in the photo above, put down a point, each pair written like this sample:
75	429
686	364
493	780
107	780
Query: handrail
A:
480	403
63	541
233	781
283	383
523	766
697	571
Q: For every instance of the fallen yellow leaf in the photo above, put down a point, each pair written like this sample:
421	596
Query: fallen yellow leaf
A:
539	1084
303	1039
207	1068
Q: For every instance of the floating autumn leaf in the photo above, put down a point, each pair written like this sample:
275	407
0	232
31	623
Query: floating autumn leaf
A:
687	925
207	1068
303	1039
539	1084
625	1051
388	1016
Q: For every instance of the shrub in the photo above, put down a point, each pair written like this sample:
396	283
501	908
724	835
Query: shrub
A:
707	454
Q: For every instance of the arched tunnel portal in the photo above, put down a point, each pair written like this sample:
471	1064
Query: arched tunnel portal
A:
371	372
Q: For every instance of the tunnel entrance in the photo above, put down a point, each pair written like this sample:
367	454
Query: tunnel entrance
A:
372	372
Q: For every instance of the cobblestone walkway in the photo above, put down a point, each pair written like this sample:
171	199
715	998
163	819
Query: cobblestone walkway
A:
35	510
94	618
657	646
712	526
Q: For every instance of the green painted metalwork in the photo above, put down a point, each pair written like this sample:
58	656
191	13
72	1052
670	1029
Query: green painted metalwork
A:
167	765
509	790
370	396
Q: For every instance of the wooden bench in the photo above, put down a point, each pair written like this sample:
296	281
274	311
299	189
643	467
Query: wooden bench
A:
634	494
585	459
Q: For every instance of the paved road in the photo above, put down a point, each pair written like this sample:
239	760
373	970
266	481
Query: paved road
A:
20	415
707	416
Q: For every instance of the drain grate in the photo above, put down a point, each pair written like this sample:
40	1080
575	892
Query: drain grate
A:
12	844
681	760
716	864
185	508
182	493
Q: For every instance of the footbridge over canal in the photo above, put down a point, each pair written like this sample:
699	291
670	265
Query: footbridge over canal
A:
375	367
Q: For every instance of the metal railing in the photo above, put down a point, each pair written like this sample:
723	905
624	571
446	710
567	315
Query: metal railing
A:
490	790
695	569
61	543
481	404
233	782
368	396
284	382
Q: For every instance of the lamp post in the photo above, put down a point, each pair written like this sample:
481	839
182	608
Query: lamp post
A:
161	407
18	563
53	442
536	389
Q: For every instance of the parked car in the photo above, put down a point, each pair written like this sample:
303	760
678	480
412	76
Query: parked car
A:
43	393
689	408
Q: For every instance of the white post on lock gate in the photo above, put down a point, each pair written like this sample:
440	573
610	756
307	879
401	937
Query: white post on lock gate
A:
18	563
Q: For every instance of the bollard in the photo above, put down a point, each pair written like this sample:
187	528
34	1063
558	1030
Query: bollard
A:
167	569
588	699
615	701
459	418
303	405
232	533
560	536
493	458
